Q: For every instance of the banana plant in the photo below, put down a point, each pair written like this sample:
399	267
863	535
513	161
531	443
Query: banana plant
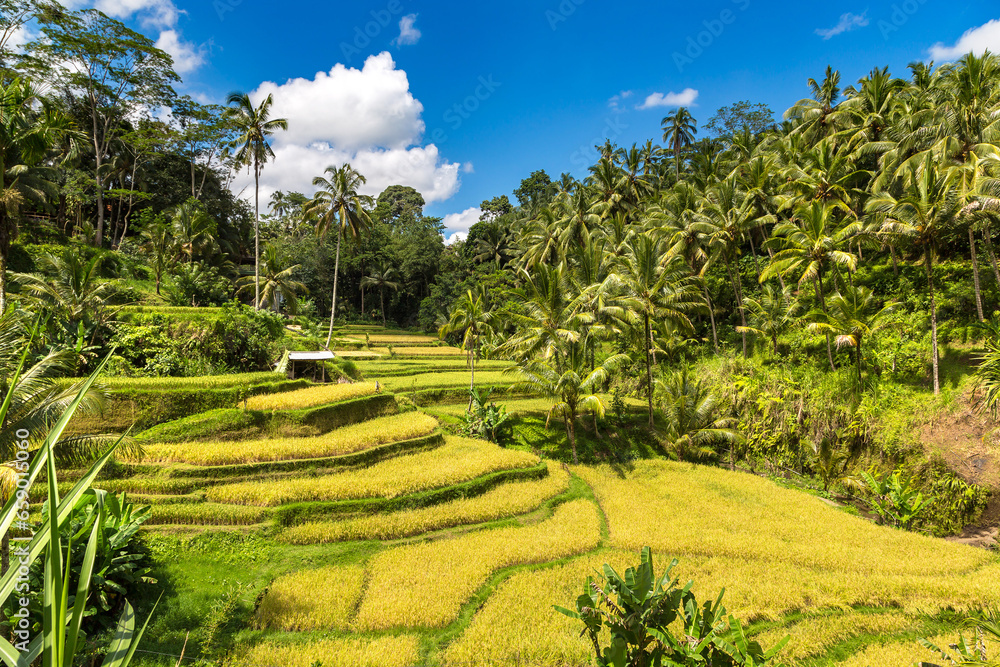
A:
60	636
640	613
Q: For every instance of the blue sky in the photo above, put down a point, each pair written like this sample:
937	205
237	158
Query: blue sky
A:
462	100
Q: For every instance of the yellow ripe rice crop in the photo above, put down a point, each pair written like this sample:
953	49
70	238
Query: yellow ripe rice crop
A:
814	636
310	396
898	654
459	460
519	623
393	338
449	380
344	440
401	651
744	516
425	585
502	502
427	351
188	383
322	599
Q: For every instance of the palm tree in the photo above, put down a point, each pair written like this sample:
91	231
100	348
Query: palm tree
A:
771	314
29	127
811	115
679	129
160	248
278	287
193	228
577	389
339	203
928	206
692	423
854	313
654	286
809	244
383	277
474	317
254	126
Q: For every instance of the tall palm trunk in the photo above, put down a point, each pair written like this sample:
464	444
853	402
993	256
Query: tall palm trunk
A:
822	305
256	238
975	275
570	416
895	262
734	278
3	282
988	240
649	368
929	266
472	381
333	304
381	296
711	317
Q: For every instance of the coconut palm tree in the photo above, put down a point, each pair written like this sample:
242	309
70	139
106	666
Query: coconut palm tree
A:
193	229
854	313
679	129
474	317
693	426
383	277
253	150
278	288
339	203
577	389
771	314
929	205
160	248
811	115
653	286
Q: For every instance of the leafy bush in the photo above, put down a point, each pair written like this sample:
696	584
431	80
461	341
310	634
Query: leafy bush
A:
640	616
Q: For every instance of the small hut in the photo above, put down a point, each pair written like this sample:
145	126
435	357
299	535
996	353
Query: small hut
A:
303	364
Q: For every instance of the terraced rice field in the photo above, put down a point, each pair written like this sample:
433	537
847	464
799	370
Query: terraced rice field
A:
310	397
436	557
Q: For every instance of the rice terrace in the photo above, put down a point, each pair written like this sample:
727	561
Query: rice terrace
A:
307	361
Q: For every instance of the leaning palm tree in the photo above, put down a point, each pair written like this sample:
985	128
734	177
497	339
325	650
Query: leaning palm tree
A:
693	425
575	387
254	126
383	277
679	129
929	206
278	287
474	318
339	203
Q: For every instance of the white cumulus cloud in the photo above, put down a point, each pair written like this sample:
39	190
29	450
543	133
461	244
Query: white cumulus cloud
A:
458	224
976	40
847	23
187	56
685	98
151	13
408	33
367	117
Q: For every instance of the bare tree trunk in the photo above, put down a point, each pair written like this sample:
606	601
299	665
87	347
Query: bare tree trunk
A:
822	304
734	278
256	239
472	382
649	370
975	275
3	283
711	317
333	304
895	263
99	238
571	432
988	239
929	266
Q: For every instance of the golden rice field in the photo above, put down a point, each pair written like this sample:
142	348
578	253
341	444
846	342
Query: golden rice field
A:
189	383
502	502
427	351
400	651
815	636
425	585
310	396
321	599
444	380
344	440
459	460
393	338
748	517
901	653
